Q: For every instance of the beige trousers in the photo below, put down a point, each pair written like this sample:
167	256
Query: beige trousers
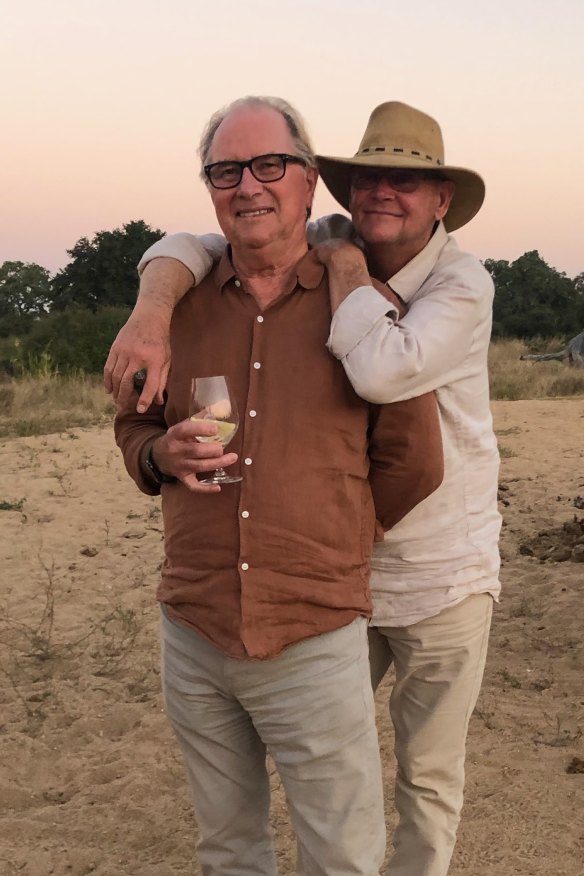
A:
439	664
312	709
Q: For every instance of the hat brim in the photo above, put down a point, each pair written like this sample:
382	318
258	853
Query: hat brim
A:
466	202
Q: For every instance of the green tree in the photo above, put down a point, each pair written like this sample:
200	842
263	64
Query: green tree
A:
25	293
532	298
74	339
102	271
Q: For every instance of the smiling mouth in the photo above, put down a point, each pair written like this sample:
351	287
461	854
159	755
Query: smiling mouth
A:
383	213
252	214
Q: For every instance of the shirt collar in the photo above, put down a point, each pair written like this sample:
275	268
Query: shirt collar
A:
309	271
408	280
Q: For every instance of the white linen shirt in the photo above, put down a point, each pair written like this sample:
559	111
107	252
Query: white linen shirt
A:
447	547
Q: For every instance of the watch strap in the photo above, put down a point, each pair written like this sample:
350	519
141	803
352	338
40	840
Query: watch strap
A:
158	475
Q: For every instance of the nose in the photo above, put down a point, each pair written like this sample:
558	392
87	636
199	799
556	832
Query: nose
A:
249	185
383	188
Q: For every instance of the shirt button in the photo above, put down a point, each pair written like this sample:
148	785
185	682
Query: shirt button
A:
247	460
245	514
260	318
253	413
245	566
257	365
237	283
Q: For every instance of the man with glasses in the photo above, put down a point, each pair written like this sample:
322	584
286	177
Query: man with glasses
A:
435	575
264	587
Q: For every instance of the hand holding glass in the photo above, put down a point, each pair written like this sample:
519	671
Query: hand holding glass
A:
211	400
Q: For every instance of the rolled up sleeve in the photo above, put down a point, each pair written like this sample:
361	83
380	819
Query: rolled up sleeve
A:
196	253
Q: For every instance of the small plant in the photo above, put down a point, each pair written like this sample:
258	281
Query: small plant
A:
542	684
509	679
118	630
563	735
486	716
525	608
12	504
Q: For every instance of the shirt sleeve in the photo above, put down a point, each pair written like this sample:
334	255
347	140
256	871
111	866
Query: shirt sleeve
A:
134	435
406	454
198	253
388	360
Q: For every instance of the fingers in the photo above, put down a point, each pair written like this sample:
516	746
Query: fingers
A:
162	383
211	456
151	388
108	368
137	347
204	466
180	454
195	486
114	371
123	384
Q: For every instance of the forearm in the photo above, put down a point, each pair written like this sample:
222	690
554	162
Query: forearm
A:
163	283
345	278
346	269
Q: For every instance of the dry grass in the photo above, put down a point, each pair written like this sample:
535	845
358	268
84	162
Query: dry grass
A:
512	379
36	405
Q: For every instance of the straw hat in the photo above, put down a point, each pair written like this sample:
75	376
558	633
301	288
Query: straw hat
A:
398	135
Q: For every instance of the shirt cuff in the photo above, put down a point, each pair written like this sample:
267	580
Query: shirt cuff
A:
355	317
190	252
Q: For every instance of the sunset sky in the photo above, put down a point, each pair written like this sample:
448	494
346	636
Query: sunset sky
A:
103	102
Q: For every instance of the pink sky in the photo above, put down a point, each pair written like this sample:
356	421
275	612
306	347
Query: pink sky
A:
103	104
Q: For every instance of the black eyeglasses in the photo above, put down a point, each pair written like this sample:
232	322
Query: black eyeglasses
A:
265	168
400	179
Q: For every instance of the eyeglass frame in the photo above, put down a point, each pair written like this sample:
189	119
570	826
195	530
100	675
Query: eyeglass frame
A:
420	175
284	157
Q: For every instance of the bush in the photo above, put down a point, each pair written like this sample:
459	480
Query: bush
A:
69	341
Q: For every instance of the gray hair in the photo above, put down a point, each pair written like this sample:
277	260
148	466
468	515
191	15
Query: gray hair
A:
294	121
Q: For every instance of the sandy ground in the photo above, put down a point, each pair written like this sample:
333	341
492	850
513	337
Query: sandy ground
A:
91	780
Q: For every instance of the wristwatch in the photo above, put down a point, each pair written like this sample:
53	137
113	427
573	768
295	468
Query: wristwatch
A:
157	475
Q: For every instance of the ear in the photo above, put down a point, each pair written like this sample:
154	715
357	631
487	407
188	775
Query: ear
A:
311	181
446	191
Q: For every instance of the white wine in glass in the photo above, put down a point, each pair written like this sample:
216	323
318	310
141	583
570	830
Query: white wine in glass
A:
211	400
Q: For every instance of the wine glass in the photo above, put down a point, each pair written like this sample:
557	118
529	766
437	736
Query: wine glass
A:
212	400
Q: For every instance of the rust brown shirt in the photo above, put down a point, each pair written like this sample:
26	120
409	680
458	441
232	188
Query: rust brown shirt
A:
284	554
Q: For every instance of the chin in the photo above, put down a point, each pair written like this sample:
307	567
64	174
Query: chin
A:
254	241
377	231
376	237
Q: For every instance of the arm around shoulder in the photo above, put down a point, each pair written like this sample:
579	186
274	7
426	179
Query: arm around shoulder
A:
196	252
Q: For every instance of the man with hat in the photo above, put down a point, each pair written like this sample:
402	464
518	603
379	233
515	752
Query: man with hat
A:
435	574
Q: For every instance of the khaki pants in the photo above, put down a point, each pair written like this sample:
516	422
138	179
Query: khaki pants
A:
312	709
439	666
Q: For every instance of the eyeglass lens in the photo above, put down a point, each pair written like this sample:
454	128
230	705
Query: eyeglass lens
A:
265	168
401	180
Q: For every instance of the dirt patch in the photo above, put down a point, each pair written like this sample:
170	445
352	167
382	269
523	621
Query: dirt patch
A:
92	780
557	545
